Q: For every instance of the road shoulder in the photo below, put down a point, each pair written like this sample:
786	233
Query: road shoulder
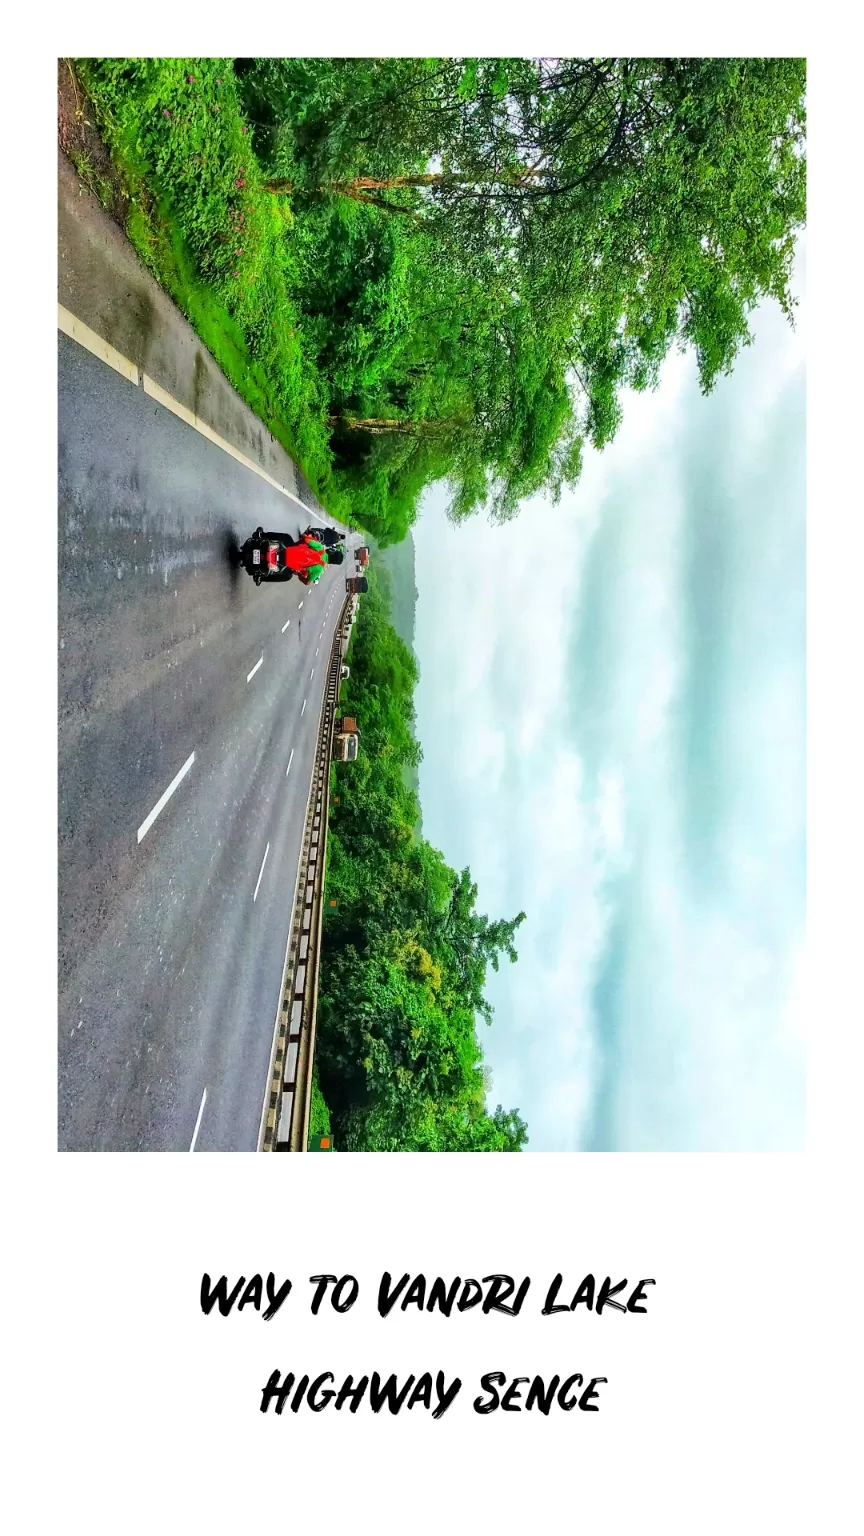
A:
102	282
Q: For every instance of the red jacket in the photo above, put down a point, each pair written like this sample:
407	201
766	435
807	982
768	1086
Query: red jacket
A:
299	557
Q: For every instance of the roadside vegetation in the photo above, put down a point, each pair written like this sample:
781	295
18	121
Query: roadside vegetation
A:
419	270
319	1114
405	953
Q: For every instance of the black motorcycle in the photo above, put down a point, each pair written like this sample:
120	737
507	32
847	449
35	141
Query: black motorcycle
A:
329	537
263	556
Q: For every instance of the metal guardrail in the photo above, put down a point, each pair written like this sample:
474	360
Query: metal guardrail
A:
286	1127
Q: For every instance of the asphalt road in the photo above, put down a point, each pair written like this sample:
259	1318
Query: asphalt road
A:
170	964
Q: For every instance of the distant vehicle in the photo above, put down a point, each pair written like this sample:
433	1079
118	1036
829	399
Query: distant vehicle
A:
346	740
344	674
362	554
356	584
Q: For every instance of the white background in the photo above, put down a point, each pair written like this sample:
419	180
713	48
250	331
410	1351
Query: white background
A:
730	1406
705	1423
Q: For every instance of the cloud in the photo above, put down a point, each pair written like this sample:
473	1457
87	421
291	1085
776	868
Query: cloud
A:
614	742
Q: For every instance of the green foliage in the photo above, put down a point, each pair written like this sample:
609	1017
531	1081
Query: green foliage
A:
319	1114
421	270
405	954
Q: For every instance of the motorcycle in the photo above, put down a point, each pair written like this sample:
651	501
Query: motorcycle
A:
329	537
263	556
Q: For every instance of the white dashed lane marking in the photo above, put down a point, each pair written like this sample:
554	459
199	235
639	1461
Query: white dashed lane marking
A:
163	799
260	872
198	1121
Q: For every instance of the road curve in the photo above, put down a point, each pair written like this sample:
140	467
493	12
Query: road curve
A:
174	670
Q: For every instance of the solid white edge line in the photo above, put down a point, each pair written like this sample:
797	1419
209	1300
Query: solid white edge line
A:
163	799
71	326
91	341
290	761
285	625
250	675
261	871
303	710
198	1121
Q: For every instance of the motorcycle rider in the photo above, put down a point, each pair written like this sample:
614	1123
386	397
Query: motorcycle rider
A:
307	569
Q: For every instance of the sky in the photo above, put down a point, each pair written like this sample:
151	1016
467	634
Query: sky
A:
611	708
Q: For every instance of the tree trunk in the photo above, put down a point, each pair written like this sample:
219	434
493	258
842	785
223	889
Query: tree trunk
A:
377	425
380	426
360	184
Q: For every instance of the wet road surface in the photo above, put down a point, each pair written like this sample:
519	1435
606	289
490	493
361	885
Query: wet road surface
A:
171	947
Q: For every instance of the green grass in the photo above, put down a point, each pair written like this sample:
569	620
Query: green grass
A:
319	1114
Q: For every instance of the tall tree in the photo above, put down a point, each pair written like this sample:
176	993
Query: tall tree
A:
598	211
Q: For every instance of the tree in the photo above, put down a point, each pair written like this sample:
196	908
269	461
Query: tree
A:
597	212
479	256
470	942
